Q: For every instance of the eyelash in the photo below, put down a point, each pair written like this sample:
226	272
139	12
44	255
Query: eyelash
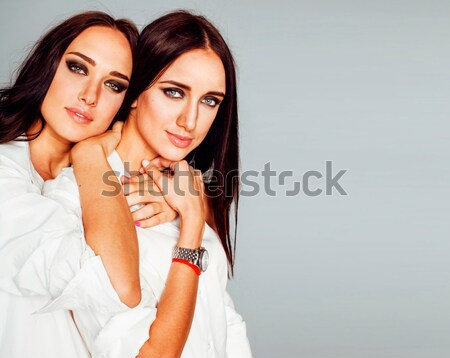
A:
216	100
118	87
77	67
80	69
181	93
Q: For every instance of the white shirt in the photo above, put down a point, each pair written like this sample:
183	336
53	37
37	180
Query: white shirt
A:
41	248
217	329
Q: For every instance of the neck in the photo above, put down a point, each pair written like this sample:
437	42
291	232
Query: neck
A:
48	152
132	147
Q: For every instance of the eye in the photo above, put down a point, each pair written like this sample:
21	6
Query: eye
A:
77	67
116	86
211	101
173	92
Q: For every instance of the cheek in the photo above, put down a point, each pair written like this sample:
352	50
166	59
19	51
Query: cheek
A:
62	85
110	105
155	113
206	122
55	93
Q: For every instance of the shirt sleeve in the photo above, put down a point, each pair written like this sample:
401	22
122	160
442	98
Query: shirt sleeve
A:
237	342
40	241
124	333
109	330
42	246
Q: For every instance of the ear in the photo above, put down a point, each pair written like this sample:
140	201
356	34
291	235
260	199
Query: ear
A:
134	104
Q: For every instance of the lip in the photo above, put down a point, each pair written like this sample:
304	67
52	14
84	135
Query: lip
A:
179	140
79	115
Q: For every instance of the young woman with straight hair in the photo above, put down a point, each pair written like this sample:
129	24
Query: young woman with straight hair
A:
182	116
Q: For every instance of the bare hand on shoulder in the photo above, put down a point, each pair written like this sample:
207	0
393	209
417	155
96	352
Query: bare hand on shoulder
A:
105	142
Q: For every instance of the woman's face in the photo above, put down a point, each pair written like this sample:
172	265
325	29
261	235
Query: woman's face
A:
174	115
89	85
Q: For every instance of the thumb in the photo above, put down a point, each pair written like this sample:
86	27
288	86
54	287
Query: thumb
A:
161	162
154	173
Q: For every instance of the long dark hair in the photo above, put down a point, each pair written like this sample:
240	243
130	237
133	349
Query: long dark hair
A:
20	104
160	44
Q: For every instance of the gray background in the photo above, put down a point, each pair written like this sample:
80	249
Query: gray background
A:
366	85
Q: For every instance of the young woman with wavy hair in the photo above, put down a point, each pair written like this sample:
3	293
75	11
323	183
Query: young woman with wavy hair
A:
69	88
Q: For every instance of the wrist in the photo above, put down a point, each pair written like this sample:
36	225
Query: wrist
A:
191	234
197	259
82	151
192	217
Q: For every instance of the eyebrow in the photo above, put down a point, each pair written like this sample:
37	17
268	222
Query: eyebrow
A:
186	87
92	62
84	57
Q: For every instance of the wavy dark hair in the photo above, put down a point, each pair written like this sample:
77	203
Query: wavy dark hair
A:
160	44
20	104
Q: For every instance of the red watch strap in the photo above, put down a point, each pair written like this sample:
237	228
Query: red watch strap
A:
186	262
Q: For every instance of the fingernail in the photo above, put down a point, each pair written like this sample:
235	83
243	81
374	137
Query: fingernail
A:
141	170
137	223
145	162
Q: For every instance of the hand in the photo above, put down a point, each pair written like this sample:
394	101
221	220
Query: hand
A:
183	190
155	210
107	141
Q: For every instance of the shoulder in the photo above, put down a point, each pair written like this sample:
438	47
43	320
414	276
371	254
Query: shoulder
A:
15	155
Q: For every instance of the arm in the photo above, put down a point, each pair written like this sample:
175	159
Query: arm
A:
117	332
108	226
170	330
171	327
42	248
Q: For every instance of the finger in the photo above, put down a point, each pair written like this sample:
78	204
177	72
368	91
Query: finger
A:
196	175
161	163
124	179
157	220
154	173
147	211
143	195
181	167
199	179
134	188
200	186
134	199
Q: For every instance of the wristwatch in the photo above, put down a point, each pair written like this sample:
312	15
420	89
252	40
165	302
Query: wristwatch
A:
198	257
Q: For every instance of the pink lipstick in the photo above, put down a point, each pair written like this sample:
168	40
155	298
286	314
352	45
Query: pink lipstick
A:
179	140
79	115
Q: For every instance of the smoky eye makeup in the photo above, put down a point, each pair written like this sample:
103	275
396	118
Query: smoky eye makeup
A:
77	67
116	86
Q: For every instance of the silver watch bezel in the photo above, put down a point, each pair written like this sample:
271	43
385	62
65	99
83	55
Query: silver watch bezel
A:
198	257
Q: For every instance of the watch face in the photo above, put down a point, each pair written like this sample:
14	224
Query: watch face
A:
204	261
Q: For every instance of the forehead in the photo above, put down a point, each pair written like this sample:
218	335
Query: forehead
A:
199	69
106	46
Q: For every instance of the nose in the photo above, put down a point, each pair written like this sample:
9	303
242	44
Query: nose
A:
188	117
88	94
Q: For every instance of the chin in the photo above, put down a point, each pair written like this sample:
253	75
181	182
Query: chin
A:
174	155
74	136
